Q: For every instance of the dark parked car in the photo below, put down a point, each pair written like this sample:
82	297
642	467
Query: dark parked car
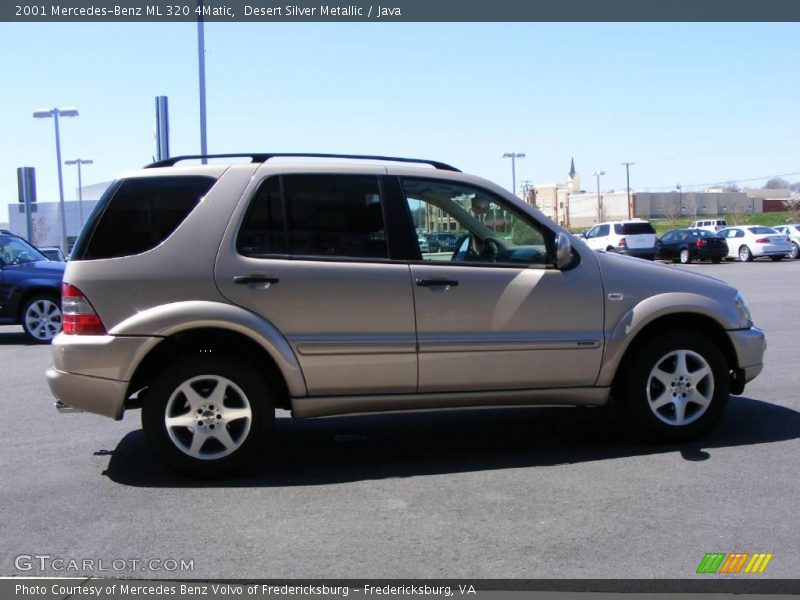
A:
447	241
686	245
30	289
434	245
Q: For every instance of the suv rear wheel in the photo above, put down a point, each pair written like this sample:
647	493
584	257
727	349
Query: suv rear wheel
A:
207	417
675	387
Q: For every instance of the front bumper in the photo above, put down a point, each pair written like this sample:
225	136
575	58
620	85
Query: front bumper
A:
750	345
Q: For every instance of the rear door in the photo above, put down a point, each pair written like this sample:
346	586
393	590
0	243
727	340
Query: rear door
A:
310	254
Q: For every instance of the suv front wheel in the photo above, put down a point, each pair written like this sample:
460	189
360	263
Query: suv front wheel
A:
675	387
207	417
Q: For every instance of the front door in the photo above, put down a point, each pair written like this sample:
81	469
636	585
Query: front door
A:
493	314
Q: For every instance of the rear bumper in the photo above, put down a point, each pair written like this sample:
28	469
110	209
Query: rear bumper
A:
706	253
75	393
646	253
91	373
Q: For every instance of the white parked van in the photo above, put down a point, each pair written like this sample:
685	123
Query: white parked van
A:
710	224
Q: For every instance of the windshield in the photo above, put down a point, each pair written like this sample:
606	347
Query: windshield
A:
762	230
15	251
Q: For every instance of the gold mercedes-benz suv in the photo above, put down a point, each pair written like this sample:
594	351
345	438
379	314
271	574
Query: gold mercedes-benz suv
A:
208	295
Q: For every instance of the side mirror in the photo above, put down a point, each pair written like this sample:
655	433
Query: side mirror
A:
563	251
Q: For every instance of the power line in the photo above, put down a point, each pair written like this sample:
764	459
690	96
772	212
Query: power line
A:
697	185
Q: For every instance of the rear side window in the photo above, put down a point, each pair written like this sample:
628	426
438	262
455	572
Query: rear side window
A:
315	216
637	228
139	214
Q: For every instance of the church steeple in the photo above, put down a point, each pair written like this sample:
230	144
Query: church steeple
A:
572	169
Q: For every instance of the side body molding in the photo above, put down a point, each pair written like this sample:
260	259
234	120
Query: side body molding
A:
639	316
169	319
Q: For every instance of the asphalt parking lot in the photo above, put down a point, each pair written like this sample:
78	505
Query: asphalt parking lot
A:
534	493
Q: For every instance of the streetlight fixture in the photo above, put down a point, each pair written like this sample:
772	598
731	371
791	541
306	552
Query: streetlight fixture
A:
55	113
599	205
627	166
513	156
79	162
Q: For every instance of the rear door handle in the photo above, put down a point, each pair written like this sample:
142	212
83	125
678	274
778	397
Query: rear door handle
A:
437	282
247	279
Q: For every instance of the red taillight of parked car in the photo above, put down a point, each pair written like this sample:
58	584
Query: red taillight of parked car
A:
77	314
701	243
762	241
622	243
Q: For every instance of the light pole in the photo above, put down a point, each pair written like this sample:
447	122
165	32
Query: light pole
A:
599	205
46	113
513	156
79	162
627	166
201	68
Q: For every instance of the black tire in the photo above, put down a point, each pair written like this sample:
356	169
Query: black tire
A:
41	318
795	252
243	390
638	386
745	255
684	256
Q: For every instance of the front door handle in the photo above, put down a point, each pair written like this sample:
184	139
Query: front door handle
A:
437	282
247	279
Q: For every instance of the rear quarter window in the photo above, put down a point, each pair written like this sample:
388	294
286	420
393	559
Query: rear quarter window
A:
137	214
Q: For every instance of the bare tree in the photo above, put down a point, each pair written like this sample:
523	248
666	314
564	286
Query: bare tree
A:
776	183
39	230
793	207
670	207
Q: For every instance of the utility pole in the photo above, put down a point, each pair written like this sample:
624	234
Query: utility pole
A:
597	174
628	180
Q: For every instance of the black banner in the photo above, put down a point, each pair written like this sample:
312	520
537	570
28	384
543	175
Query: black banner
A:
399	10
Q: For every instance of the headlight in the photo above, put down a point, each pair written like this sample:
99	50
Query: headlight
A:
744	309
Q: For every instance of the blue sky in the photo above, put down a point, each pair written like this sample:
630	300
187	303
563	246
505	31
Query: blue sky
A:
688	103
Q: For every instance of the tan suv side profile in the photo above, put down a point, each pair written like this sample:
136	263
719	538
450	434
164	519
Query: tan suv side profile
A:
209	295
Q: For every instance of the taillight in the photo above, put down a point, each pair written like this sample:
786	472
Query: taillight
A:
77	314
762	241
701	243
622	243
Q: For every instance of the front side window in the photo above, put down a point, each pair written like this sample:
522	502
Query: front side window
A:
602	231
485	229
15	251
315	216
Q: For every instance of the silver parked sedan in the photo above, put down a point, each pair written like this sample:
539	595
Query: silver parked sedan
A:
753	241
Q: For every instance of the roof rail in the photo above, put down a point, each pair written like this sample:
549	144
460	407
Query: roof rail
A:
260	158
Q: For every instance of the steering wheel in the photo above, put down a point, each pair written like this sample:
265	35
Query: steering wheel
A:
491	249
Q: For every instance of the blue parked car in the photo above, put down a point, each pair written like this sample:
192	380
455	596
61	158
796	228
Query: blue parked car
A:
30	289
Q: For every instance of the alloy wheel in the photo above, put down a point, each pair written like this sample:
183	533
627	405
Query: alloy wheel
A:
680	387
43	319
208	417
